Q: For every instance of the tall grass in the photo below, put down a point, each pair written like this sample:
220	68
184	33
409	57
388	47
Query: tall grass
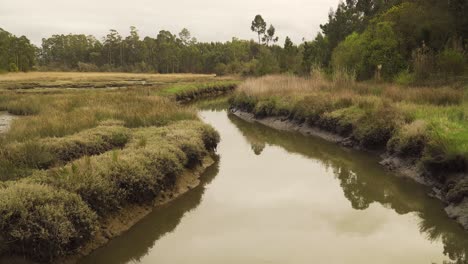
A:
373	114
75	157
57	115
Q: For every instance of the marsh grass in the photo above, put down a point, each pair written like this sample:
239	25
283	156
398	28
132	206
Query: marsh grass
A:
58	115
97	185
429	124
190	91
47	152
74	157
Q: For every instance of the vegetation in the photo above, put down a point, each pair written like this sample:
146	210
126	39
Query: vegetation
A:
74	159
407	41
427	124
16	53
191	91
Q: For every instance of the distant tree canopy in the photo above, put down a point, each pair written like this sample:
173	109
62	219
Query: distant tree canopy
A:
168	53
394	37
16	53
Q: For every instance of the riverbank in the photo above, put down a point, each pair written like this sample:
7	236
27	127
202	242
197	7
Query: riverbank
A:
304	193
415	136
80	168
401	167
116	225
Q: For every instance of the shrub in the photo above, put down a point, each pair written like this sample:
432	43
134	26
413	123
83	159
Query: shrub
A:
410	140
404	78
13	67
42	222
451	62
376	127
220	69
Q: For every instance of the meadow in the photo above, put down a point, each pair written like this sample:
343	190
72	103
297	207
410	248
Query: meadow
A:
76	154
425	125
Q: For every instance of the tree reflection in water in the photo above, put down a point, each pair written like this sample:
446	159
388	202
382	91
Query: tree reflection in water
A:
364	182
136	242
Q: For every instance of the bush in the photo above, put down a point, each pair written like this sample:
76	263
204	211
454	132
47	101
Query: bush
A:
220	69
404	78
451	62
13	67
410	140
377	126
42	222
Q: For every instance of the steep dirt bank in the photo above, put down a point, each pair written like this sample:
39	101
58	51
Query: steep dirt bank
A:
401	167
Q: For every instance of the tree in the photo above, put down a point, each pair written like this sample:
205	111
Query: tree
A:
186	37
112	43
316	53
258	26
288	44
270	35
16	53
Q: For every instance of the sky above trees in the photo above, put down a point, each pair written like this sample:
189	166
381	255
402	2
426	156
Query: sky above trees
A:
208	20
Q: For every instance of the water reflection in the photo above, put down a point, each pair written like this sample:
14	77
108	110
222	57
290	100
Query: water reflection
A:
284	198
135	243
364	182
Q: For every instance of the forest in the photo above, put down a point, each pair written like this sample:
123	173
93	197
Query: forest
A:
406	41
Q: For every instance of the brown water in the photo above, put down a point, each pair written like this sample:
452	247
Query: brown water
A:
278	197
5	121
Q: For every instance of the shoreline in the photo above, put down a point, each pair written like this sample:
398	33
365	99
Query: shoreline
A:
117	224
400	167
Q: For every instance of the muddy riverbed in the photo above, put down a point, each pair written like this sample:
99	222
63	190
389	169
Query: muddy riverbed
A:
281	197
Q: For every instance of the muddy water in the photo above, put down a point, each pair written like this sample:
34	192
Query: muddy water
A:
5	120
278	197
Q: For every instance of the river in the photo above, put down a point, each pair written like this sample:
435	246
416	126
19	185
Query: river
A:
280	197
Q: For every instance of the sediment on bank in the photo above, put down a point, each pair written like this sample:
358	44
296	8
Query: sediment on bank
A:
66	210
419	136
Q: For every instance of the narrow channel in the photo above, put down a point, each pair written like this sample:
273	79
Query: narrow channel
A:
280	197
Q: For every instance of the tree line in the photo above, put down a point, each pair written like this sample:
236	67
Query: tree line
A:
167	53
388	39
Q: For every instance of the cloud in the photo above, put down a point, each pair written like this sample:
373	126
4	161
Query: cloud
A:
208	20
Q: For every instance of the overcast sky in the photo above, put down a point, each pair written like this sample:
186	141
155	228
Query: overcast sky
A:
207	20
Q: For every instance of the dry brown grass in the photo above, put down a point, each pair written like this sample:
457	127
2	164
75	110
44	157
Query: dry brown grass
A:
281	85
95	76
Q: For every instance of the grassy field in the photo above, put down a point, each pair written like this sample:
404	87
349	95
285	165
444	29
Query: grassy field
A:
429	125
77	153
